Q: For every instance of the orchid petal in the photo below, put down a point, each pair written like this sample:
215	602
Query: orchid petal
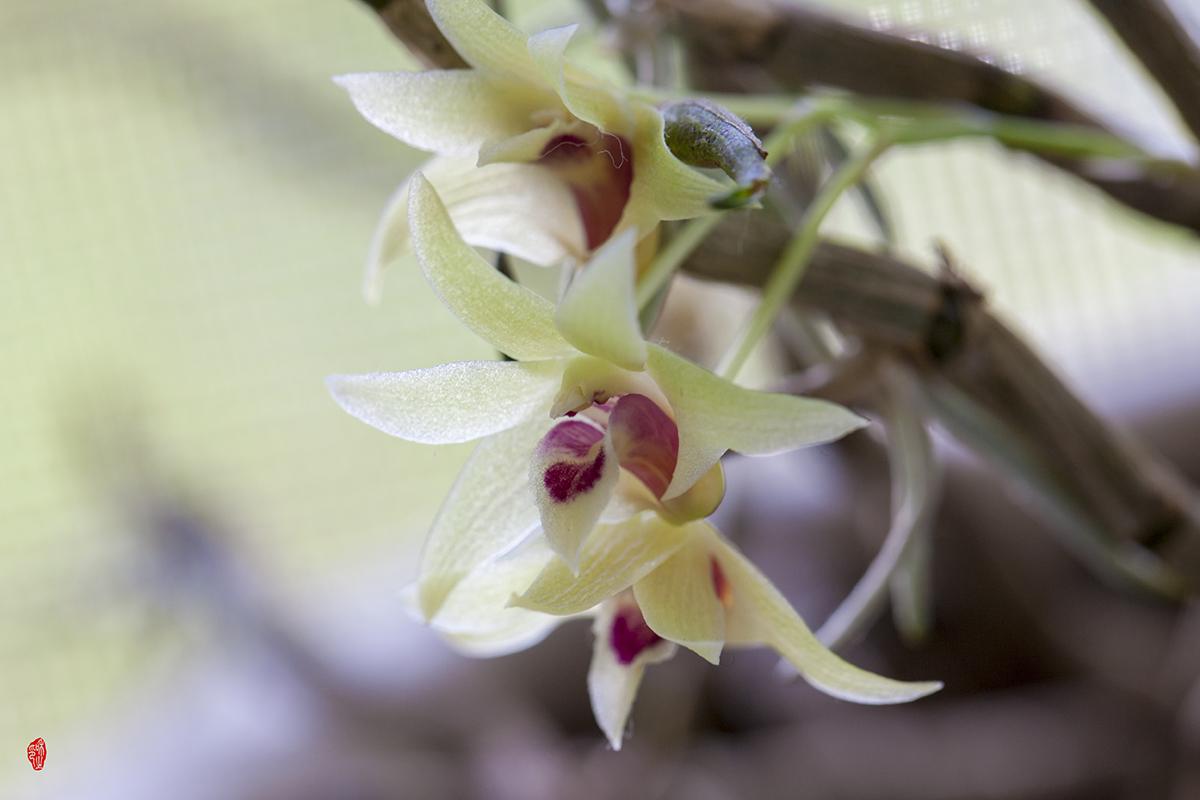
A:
519	209
448	403
645	440
474	617
613	558
699	501
444	111
664	188
572	476
630	498
523	148
484	39
680	603
715	415
759	614
612	681
513	319
598	314
587	379
488	511
585	98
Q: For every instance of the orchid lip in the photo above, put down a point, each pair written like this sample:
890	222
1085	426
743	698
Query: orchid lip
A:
644	438
581	459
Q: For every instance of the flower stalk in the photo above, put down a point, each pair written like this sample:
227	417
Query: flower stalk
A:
803	118
789	270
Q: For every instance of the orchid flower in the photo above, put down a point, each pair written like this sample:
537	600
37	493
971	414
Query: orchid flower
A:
651	586
608	445
598	421
534	156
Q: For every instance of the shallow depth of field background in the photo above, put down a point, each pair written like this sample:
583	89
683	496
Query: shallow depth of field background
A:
185	203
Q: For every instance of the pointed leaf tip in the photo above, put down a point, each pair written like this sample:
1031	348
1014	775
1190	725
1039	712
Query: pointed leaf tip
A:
598	314
449	403
511	318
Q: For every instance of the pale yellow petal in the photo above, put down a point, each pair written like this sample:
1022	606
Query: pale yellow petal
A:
613	558
680	603
598	314
485	40
511	318
759	614
524	147
587	379
449	403
488	511
520	209
612	686
586	98
475	617
715	415
444	111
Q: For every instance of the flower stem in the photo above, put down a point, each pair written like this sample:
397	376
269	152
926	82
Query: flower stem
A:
789	270
923	121
803	118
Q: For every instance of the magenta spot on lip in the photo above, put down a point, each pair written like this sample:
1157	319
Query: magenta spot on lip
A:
573	469
600	175
566	480
629	635
646	441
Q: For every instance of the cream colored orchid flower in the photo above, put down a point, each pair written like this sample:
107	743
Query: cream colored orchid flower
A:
650	586
534	157
637	426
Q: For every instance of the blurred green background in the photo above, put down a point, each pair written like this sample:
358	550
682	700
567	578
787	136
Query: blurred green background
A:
185	203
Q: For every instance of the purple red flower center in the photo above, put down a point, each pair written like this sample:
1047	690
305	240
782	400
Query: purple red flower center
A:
600	175
644	439
579	444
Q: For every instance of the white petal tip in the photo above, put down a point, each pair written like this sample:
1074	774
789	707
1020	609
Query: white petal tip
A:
905	693
333	384
928	688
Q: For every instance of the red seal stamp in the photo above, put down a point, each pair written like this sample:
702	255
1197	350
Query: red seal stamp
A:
36	752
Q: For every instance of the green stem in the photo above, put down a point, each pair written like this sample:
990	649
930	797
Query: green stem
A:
789	270
694	232
918	121
687	239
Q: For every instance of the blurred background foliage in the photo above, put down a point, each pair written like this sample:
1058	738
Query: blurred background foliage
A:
185	204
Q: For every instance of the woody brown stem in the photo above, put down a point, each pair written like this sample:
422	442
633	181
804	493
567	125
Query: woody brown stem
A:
1154	34
770	45
409	21
1000	398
